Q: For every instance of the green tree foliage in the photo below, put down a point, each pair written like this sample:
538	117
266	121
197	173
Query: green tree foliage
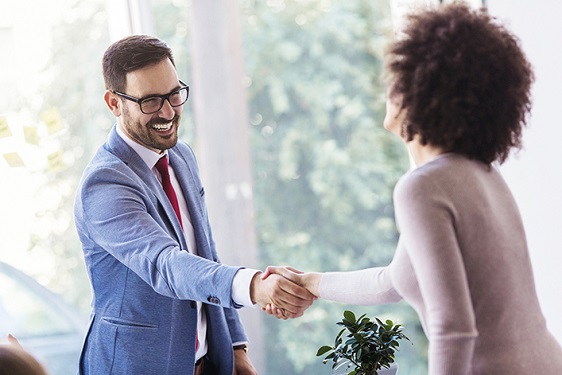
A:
324	166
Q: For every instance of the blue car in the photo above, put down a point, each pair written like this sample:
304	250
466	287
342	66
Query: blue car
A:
44	324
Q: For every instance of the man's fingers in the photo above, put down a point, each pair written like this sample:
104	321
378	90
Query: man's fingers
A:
286	295
291	297
283	314
296	290
279	313
282	293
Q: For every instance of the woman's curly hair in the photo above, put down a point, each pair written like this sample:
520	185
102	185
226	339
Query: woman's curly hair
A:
463	80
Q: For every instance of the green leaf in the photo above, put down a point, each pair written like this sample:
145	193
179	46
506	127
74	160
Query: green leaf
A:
350	316
339	334
323	350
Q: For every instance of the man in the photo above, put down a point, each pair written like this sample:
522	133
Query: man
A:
162	302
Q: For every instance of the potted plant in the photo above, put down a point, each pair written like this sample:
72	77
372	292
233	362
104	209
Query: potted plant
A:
368	345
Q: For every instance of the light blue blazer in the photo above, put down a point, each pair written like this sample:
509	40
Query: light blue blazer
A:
144	282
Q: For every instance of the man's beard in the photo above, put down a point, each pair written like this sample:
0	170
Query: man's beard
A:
147	136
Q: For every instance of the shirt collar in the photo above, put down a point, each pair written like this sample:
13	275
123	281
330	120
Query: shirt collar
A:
147	155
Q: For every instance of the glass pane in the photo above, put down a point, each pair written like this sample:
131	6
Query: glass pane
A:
316	105
26	313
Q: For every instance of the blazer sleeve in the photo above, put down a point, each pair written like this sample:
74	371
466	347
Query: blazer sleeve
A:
117	214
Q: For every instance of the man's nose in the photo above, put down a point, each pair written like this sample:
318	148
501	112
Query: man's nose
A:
167	111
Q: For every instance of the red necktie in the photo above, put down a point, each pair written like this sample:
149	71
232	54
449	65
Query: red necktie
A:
162	167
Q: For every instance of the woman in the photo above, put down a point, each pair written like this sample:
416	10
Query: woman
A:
459	96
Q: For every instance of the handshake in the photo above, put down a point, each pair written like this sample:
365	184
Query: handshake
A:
285	292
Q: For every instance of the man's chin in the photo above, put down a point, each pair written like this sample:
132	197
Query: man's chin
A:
169	143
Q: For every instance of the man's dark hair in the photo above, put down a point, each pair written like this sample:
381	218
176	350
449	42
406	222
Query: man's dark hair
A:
463	80
130	54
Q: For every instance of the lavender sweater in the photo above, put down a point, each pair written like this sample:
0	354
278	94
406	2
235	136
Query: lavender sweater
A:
462	262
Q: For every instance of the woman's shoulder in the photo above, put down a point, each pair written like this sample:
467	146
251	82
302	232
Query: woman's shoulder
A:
447	170
428	171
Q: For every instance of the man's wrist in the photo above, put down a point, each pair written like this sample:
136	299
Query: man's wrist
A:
241	287
256	279
243	347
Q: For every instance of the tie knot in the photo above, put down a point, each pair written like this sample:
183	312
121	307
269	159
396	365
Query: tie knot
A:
162	166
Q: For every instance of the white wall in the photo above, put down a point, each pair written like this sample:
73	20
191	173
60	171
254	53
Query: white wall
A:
534	174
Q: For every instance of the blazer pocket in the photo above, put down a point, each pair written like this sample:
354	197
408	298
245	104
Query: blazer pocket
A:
128	323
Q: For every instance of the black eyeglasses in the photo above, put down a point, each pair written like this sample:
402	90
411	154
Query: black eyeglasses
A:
152	104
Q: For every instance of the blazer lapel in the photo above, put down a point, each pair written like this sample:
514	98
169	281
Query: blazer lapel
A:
192	193
119	148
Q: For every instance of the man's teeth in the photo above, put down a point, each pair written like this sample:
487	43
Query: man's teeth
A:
162	126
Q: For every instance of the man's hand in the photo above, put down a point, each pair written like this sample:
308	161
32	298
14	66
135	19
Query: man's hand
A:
309	280
276	290
242	364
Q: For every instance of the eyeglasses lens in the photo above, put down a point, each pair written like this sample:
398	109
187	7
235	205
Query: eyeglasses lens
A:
153	104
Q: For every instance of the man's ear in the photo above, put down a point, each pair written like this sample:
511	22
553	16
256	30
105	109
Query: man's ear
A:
113	103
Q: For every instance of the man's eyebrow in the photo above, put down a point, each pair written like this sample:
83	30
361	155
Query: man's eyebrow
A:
157	95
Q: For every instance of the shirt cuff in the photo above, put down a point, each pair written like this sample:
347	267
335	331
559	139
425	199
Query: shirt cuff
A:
241	287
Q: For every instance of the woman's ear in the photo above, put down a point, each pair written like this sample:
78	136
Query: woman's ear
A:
113	103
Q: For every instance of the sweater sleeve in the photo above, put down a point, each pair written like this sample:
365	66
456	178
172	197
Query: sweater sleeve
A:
426	218
365	287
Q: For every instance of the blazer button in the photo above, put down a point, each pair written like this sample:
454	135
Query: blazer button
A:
193	304
214	300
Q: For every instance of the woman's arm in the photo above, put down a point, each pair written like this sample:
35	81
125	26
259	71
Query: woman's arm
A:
365	287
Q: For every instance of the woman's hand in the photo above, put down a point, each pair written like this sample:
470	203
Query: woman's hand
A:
309	280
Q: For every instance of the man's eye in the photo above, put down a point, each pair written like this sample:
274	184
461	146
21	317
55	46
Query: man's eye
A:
151	101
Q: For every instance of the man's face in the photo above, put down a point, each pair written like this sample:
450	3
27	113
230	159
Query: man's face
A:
157	131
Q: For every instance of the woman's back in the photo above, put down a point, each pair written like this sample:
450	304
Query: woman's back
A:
469	201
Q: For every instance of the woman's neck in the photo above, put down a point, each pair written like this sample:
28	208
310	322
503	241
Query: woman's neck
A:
422	154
